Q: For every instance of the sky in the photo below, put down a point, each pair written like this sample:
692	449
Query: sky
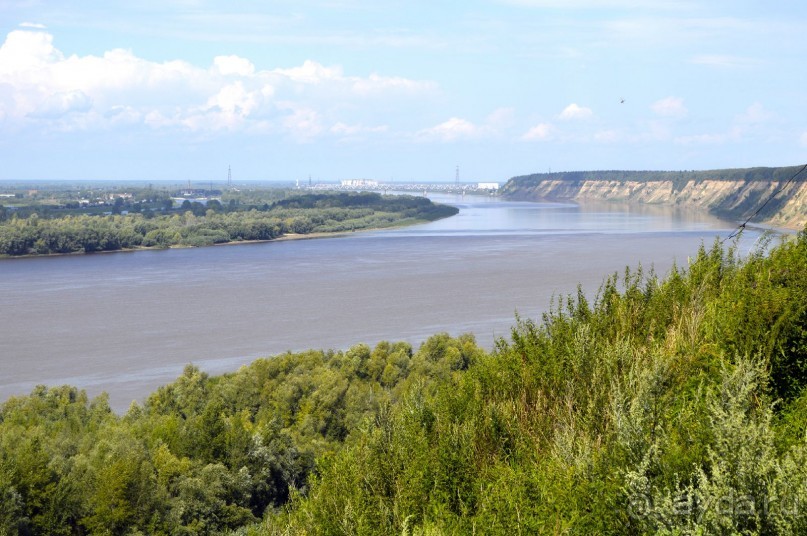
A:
397	90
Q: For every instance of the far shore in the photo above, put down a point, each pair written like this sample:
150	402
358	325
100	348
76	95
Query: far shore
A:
281	238
298	236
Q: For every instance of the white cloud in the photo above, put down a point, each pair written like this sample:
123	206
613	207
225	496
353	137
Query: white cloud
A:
233	65
540	132
27	50
451	130
311	72
353	130
455	128
122	115
304	124
234	99
670	107
381	84
60	104
755	114
573	111
38	83
35	25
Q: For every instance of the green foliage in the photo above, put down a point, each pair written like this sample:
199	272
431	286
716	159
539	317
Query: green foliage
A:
650	410
202	455
195	224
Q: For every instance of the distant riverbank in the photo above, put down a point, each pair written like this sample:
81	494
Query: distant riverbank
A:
779	194
281	238
301	216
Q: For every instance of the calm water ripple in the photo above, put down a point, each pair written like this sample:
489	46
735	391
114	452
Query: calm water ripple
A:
126	323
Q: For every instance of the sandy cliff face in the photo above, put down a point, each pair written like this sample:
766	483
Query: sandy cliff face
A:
731	199
792	214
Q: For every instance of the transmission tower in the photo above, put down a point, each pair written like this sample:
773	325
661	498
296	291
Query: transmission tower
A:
457	177
229	177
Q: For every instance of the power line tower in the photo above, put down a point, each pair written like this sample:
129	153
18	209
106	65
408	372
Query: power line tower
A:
229	177
457	177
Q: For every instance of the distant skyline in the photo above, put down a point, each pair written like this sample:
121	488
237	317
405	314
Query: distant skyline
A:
391	90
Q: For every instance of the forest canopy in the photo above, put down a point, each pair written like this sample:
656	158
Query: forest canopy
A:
668	405
41	230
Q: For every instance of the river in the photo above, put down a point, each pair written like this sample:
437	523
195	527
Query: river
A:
128	322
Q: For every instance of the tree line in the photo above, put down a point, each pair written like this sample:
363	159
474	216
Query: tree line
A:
664	405
198	224
678	178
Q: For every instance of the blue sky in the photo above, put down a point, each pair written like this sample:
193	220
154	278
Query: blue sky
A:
401	90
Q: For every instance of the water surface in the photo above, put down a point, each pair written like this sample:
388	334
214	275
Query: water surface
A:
126	323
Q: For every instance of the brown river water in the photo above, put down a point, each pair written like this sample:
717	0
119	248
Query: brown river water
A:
126	323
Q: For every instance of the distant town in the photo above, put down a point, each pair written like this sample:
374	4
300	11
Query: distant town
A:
119	197
452	187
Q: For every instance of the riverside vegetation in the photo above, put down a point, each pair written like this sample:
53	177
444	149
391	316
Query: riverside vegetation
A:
672	405
42	230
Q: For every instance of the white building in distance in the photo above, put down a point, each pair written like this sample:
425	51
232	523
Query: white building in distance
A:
359	183
487	186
